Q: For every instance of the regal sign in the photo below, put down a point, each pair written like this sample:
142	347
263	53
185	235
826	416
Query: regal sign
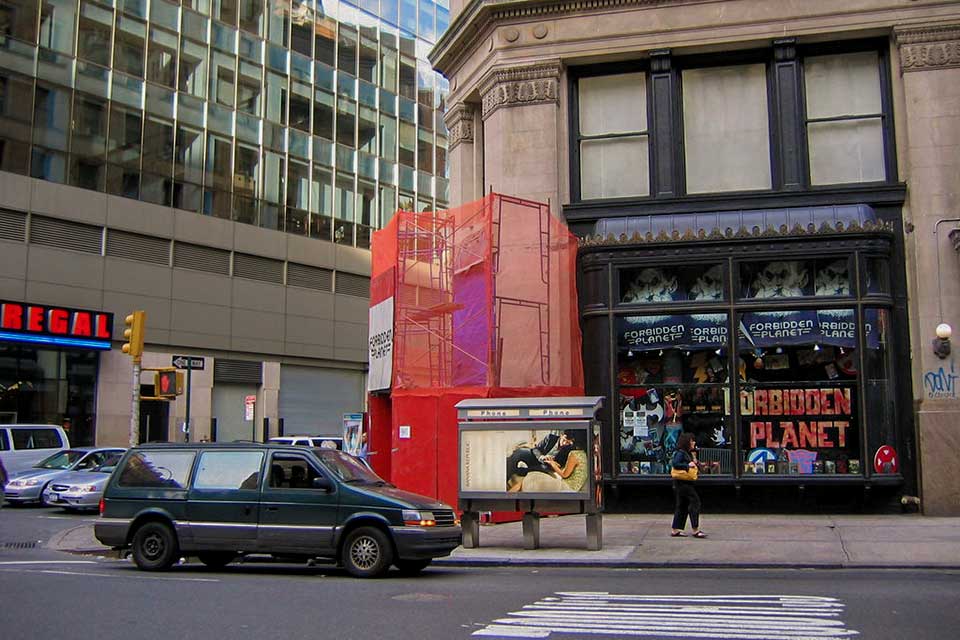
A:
62	326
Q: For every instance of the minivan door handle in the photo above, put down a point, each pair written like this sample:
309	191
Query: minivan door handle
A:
273	508
247	510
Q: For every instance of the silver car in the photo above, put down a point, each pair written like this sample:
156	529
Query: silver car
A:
28	486
79	490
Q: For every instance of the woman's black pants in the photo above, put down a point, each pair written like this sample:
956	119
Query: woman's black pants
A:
688	503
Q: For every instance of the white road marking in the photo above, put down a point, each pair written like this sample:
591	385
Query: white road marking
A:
8	562
127	576
742	617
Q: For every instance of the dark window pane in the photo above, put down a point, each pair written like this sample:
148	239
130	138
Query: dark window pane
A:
89	128
323	115
57	20
219	163
122	181
301	28
156	189
346	121
251	16
325	40
248	88
51	116
96	27
48	165
347	58
123	142
247	171
158	147
368	60
18	18
188	163
16	106
408	78
225	11
128	55
300	112
162	58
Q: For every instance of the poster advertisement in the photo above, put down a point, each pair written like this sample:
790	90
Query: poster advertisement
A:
381	346
354	441
526	461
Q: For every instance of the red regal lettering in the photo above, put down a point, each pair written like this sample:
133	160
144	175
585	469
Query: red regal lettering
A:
103	329
35	319
12	317
81	324
57	321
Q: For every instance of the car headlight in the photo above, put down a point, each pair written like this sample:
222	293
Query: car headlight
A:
27	482
416	518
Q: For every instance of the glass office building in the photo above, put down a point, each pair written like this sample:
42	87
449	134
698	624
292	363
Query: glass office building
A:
318	117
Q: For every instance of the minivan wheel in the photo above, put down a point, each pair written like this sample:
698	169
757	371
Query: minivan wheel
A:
154	547
367	552
412	567
216	559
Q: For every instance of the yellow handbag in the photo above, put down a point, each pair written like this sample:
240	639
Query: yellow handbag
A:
690	474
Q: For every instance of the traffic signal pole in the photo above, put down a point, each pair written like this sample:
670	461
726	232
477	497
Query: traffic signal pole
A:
135	404
136	325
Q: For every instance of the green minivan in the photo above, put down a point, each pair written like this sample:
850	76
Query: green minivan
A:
221	501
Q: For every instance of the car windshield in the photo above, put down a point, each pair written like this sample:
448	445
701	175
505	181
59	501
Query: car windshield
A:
61	460
346	467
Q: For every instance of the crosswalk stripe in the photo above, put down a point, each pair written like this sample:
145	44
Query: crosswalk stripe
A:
728	616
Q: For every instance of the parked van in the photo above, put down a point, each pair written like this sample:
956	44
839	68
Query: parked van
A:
219	501
24	445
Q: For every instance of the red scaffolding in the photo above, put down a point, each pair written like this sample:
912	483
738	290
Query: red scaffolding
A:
484	305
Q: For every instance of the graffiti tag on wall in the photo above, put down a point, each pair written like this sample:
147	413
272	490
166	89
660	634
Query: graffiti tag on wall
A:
940	383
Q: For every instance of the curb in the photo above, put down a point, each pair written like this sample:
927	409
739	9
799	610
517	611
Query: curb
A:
620	564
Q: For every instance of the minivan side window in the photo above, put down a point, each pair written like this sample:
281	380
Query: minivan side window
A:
4	444
166	469
36	439
289	471
229	470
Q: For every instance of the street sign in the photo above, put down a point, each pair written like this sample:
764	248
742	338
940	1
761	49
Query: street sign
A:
249	402
180	362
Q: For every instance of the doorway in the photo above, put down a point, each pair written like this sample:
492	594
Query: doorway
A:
154	418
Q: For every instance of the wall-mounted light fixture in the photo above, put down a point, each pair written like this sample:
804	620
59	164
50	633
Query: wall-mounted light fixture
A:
941	344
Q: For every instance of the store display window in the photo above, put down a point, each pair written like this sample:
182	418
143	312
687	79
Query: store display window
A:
652	285
672	377
798	402
796	278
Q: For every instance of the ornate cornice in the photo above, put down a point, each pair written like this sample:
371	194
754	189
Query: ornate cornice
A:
519	86
928	47
459	121
825	229
477	15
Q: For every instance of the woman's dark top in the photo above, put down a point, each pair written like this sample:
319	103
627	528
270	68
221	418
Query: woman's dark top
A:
681	460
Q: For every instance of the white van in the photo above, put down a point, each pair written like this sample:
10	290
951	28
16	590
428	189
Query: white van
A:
24	445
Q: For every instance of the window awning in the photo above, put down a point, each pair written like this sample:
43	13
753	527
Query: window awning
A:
744	223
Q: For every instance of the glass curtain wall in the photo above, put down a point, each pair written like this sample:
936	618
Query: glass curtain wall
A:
314	118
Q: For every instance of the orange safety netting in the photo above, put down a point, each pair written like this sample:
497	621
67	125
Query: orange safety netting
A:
484	296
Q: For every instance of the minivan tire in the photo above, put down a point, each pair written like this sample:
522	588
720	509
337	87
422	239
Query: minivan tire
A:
412	567
154	547
367	552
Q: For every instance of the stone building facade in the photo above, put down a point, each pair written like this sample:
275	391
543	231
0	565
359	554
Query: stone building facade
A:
804	158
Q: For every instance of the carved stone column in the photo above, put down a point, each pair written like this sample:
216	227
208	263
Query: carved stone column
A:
463	154
520	111
930	68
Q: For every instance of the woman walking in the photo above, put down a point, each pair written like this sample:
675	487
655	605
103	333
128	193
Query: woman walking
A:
684	472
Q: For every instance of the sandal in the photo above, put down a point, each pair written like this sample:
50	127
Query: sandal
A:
678	534
699	534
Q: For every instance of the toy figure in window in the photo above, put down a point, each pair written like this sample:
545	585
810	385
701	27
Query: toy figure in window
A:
651	285
833	279
780	279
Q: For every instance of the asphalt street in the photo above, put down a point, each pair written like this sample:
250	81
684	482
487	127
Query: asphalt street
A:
47	594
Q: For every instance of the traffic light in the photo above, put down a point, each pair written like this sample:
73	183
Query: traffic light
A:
133	334
167	384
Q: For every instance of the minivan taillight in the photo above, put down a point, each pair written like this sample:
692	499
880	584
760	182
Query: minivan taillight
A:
102	506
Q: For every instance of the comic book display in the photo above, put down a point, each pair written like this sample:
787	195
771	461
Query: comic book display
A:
792	401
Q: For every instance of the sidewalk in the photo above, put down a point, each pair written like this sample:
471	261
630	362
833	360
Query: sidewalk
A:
742	541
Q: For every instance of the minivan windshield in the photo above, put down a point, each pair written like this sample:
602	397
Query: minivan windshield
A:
61	460
346	467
